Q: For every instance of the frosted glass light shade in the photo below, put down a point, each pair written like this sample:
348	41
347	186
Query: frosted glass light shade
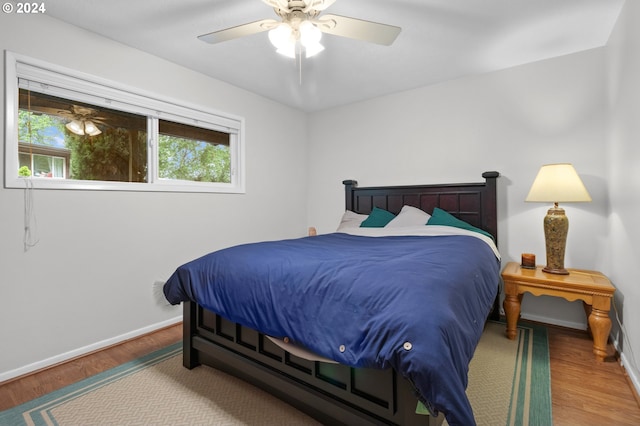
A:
558	183
288	39
309	33
313	49
289	50
280	36
83	127
91	129
76	127
310	37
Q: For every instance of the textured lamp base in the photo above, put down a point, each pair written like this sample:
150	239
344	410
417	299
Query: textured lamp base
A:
549	270
556	227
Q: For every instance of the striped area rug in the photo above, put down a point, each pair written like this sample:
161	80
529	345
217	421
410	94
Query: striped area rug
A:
509	381
509	384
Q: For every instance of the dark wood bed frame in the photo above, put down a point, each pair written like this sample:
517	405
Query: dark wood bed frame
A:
335	394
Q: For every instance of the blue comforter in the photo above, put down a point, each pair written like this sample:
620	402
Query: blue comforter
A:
417	304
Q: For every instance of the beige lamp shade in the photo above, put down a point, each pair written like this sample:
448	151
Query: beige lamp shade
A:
558	183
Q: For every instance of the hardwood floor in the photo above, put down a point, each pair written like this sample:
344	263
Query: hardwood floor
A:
584	391
20	390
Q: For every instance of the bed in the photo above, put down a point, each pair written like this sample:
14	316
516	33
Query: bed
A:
226	328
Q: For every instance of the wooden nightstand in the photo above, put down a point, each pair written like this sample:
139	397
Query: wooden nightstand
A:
593	288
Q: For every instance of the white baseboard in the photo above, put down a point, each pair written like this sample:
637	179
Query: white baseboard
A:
39	365
635	380
627	365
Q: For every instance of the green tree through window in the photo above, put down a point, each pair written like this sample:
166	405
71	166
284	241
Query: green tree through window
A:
187	159
193	153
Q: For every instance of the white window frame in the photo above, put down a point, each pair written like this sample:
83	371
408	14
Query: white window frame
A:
22	71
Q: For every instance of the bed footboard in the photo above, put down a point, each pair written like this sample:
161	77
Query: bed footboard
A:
331	393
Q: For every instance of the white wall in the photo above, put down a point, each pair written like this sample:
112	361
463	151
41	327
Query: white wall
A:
623	245
89	279
512	121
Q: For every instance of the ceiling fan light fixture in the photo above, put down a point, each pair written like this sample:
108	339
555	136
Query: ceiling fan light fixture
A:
310	37
83	127
313	49
91	129
289	50
309	33
76	127
280	36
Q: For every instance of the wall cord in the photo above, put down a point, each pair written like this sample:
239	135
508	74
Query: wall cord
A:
30	222
632	359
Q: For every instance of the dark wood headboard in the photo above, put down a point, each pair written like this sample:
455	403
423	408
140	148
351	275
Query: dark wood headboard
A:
475	203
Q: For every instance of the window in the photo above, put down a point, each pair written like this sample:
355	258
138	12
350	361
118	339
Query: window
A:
73	131
193	154
99	144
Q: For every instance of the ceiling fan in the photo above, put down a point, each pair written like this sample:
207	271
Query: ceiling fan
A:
301	27
83	120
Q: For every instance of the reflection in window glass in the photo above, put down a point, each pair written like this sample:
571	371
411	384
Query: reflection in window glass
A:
193	153
48	166
42	161
62	138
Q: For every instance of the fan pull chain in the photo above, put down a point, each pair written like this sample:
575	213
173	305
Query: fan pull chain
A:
299	65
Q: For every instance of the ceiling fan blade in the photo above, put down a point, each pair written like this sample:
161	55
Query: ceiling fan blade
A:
317	4
239	31
48	110
278	4
358	29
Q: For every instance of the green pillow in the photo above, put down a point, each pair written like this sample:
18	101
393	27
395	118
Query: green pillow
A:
441	217
377	219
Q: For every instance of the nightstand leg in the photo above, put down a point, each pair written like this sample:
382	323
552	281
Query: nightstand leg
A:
587	311
600	325
511	307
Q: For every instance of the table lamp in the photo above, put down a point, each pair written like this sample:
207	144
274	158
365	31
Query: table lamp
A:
557	183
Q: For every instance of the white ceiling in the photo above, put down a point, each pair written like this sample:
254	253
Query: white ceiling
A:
440	40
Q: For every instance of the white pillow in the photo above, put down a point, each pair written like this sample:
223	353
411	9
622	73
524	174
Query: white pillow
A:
409	216
351	220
